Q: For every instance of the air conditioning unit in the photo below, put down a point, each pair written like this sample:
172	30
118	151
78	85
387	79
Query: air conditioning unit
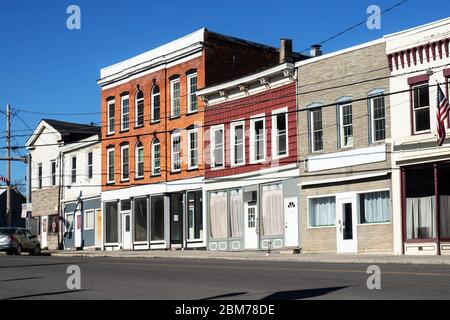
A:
250	196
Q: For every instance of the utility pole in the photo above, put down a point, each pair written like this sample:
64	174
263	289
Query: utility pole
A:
8	165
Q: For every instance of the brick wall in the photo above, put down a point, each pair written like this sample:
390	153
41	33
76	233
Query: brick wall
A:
45	202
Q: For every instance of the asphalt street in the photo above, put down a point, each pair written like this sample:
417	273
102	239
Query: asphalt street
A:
26	277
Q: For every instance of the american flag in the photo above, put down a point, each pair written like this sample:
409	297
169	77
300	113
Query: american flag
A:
442	115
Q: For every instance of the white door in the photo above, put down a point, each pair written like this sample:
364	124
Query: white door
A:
251	227
126	227
78	226
347	240
44	232
291	222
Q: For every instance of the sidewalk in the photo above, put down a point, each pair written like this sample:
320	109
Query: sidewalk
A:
262	256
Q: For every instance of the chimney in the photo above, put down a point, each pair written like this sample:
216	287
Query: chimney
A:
316	50
285	51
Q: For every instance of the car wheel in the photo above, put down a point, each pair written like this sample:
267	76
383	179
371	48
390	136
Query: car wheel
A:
36	251
19	250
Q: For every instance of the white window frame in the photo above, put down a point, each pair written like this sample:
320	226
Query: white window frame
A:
136	163
308	207
89	165
275	113
357	195
253	120
313	129
423	108
154	95
66	229
172	138
85	220
122	114
154	173
341	126
213	146
232	142
136	125
72	169
109	129
40	178
372	116
122	148
108	165
173	99
190	93
52	174
189	148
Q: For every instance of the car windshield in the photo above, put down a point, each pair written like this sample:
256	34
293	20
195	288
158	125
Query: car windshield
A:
7	231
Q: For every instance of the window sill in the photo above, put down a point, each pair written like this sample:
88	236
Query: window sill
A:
238	165
193	169
281	157
374	224
124	180
139	127
108	134
155	122
139	178
110	183
190	113
418	133
175	171
124	130
323	227
156	175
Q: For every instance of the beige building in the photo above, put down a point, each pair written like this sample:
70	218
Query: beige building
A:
344	151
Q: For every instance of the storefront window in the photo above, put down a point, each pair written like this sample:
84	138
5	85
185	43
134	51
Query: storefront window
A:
444	199
322	212
157	218
111	220
140	219
218	214
236	214
195	215
374	207
272	210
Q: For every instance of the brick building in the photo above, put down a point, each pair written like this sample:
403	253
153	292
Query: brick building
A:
152	137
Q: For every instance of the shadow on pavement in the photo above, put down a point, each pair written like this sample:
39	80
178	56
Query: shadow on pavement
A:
43	294
301	294
39	265
21	279
229	295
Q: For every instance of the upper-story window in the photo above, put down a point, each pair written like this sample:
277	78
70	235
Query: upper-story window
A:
139	113
378	115
74	169
193	149
258	139
156	104
125	163
280	138
421	108
125	111
139	155
53	171
90	165
175	98
176	152
346	125
156	157
39	170
237	143
217	147
111	116
192	95
110	165
316	128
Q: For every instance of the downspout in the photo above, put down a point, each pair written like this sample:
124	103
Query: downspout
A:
61	216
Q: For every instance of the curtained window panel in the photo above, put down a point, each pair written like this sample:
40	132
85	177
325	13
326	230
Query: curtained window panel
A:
322	212
236	214
445	216
374	207
420	218
218	215
272	210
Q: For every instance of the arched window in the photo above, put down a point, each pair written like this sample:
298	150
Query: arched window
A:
156	102
139	109
139	157
156	157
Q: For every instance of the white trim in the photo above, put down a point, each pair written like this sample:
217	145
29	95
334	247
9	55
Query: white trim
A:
275	113
153	144
344	179
188	87
87	164
152	102
122	114
358	193
136	104
139	145
108	151
372	97
122	148
341	126
312	127
85	212
213	146
413	87
260	117
108	128
172	136
233	126
308	223
72	169
195	130
172	98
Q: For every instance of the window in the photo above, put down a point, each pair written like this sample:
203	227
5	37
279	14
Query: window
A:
192	96
378	111
258	140
69	222
39	175
90	165
110	164
217	147
421	108
74	169
374	207
89	220
272	210
218	206
193	148
125	163
175	98
111	116
236	213
156	104
156	157
139	155
237	144
346	126
53	170
157	218
111	222
195	215
316	130
139	109
125	124
280	133
322	212
140	219
176	152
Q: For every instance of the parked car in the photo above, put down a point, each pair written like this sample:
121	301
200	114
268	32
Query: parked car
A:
18	240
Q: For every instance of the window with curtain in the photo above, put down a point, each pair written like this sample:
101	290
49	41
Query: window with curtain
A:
236	213
272	210
139	109
322	212
374	207
444	199
156	104
218	215
111	222
140	219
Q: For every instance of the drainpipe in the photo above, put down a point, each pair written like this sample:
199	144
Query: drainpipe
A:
60	214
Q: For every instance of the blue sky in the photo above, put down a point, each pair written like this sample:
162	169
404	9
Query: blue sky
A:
47	68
